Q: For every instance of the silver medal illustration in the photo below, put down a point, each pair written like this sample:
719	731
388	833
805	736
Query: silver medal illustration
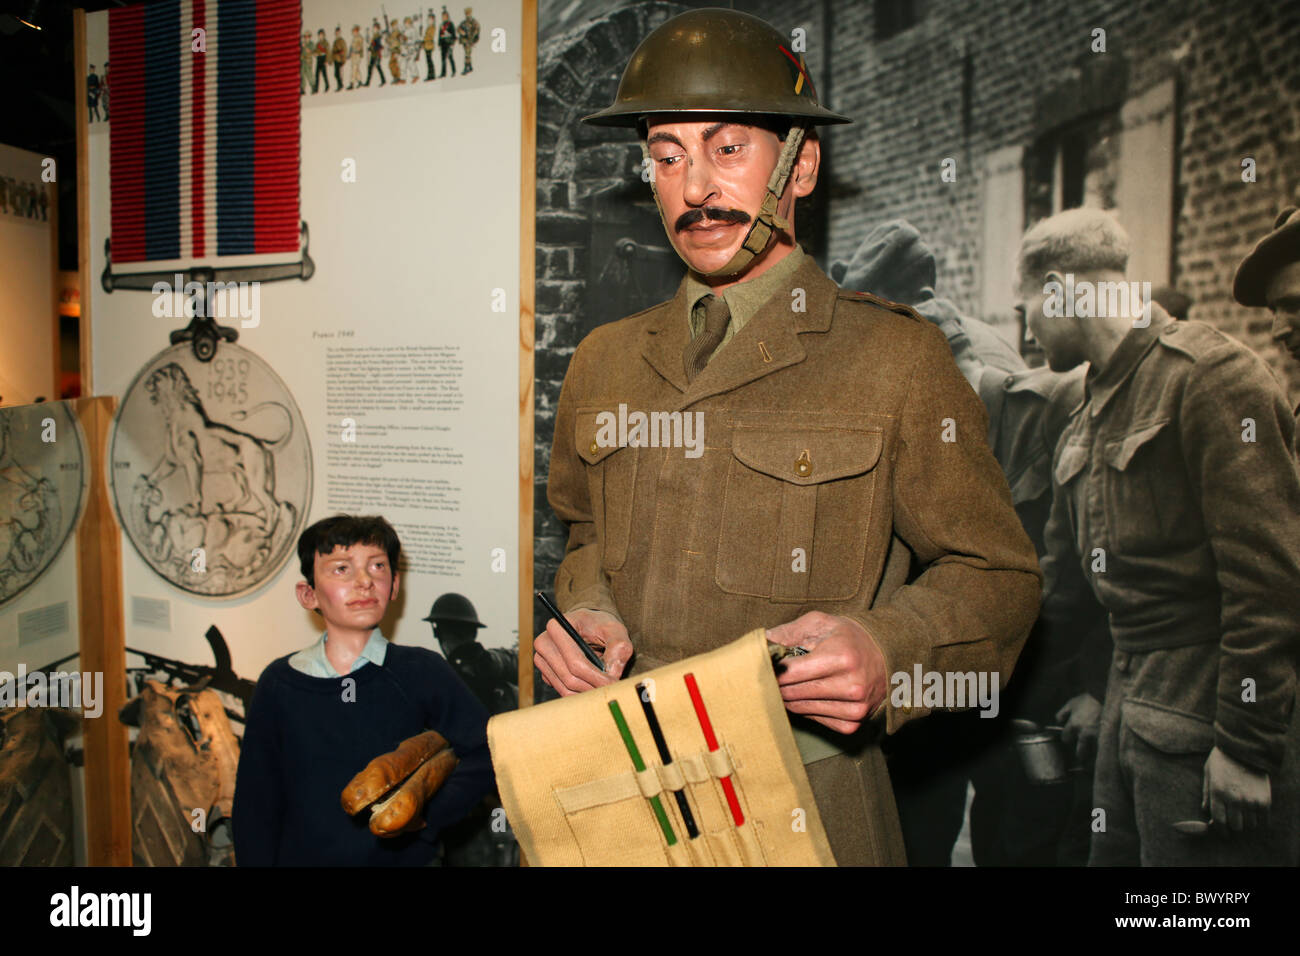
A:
42	486
211	469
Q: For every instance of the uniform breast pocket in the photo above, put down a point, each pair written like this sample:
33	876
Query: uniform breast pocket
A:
611	476
796	522
1135	506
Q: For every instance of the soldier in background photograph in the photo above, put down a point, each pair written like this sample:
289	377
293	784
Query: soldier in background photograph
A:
1177	504
1015	820
1270	278
491	673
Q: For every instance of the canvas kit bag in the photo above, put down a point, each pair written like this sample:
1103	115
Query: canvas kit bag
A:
570	784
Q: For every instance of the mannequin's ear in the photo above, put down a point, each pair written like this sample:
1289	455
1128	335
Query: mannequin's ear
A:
306	595
807	164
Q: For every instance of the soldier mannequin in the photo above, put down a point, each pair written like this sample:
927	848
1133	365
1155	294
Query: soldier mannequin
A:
1270	277
726	135
467	32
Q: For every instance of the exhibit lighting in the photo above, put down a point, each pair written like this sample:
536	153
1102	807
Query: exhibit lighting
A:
30	19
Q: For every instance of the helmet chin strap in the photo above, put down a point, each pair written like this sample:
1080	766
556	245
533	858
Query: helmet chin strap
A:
767	223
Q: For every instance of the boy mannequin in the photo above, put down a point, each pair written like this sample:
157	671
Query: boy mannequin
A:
320	715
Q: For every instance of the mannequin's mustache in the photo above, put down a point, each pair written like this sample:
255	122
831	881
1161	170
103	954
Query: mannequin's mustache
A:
712	213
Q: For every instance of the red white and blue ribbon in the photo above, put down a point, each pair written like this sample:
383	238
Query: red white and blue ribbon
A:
204	146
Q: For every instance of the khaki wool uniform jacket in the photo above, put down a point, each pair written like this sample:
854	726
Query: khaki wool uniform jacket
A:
823	437
1198	515
1177	504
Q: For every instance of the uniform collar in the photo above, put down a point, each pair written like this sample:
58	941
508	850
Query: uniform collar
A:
1102	385
743	299
802	302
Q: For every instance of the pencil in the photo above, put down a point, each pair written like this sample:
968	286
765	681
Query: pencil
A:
572	631
702	715
639	764
664	755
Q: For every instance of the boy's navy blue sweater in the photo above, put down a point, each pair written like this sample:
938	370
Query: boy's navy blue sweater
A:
306	737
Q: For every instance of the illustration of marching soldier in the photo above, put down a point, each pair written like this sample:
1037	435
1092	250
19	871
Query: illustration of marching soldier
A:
4	193
395	52
410	49
339	54
44	201
376	39
103	93
322	77
355	52
305	57
92	93
447	42
430	37
467	32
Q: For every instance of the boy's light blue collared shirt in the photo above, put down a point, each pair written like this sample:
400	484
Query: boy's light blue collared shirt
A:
313	662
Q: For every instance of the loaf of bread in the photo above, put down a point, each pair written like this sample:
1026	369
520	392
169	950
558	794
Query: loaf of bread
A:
388	770
393	815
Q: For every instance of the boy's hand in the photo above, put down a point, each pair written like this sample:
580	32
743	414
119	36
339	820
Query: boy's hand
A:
562	664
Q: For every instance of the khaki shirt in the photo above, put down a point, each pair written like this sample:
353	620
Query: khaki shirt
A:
1195	512
822	476
743	299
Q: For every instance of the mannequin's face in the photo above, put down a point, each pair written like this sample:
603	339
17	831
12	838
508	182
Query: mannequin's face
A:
711	177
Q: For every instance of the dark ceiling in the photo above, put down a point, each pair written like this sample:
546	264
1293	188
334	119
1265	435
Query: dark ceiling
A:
36	108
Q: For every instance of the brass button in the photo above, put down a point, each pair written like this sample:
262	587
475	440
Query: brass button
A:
594	446
803	467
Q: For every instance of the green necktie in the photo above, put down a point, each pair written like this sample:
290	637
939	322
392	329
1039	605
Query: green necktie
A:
716	318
